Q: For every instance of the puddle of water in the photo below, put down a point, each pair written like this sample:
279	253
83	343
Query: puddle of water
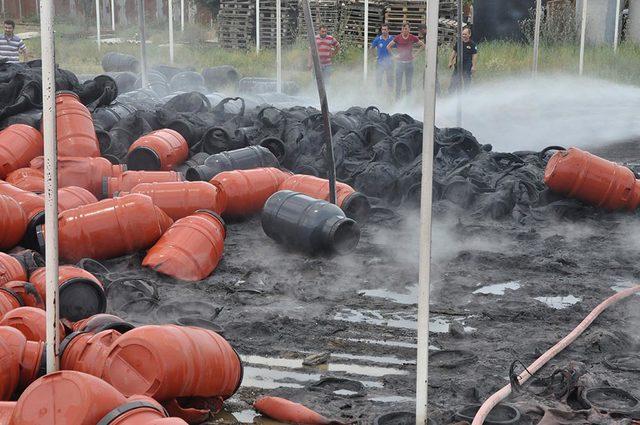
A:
246	416
437	324
409	299
498	288
559	303
393	399
355	369
345	392
374	359
380	342
624	284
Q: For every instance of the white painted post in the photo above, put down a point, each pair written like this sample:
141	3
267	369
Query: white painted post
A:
616	35
113	16
50	182
536	36
583	33
257	27
98	23
143	45
171	51
422	368
366	41
182	15
279	46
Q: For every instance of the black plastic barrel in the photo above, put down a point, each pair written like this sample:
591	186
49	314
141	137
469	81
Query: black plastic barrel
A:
118	62
194	161
156	82
107	116
219	76
239	159
186	81
308	224
126	81
218	139
192	133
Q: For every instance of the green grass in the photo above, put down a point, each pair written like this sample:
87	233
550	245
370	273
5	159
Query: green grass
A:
76	49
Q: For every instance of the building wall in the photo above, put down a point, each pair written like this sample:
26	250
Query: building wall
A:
601	17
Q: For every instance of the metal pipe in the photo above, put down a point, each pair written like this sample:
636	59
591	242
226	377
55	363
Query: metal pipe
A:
113	16
182	15
459	57
98	23
50	181
279	46
366	40
171	51
3	10
583	34
616	35
143	44
324	104
536	37
257	27
428	134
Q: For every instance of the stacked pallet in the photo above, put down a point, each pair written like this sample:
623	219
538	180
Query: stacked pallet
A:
325	12
289	22
352	20
414	12
237	20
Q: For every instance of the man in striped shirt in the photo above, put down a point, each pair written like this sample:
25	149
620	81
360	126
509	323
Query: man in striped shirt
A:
328	47
11	46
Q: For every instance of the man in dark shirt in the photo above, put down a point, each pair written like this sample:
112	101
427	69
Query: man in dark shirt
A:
404	59
469	60
385	63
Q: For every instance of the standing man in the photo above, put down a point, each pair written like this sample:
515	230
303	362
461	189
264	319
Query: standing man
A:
404	67
385	61
328	47
469	60
11	46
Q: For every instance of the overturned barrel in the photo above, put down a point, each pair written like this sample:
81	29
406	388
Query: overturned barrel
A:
30	321
190	249
354	204
76	134
120	62
13	222
594	180
28	179
9	300
24	292
109	228
161	150
308	224
129	179
102	322
239	159
19	144
244	192
72	197
180	199
81	293
11	269
32	205
87	352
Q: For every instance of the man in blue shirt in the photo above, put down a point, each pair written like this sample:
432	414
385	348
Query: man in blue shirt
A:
385	61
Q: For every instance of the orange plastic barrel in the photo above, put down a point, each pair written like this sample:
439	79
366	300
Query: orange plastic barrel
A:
30	321
129	179
26	292
159	150
6	410
244	192
87	173
72	197
32	205
138	410
9	300
11	269
28	353
102	322
180	199
109	228
13	222
75	131
190	249
19	144
9	371
28	179
166	362
86	352
594	180
354	204
81	294
66	397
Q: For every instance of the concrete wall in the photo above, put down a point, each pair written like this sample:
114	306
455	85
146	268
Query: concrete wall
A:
633	23
601	16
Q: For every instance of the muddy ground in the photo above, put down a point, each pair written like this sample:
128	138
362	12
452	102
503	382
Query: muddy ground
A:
277	307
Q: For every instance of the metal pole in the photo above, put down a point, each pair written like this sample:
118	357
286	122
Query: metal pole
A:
143	44
324	104
98	22
428	134
459	57
583	33
536	36
50	181
171	31
182	15
279	46
113	16
366	40
257	27
616	35
3	9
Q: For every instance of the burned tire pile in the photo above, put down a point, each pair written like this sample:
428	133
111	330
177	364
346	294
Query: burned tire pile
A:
158	178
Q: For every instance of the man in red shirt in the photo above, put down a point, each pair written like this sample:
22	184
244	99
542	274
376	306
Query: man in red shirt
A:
328	47
404	66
